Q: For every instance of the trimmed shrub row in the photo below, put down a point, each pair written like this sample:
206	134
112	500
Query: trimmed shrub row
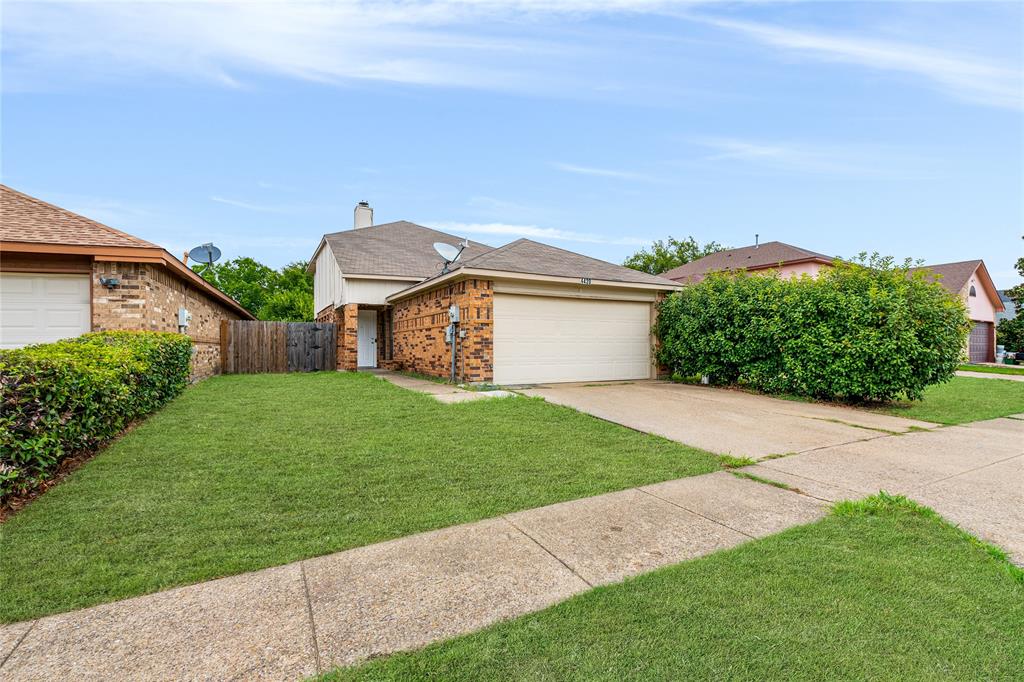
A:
61	398
859	332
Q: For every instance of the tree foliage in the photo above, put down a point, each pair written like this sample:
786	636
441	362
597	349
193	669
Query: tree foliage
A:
668	254
862	331
285	294
1010	333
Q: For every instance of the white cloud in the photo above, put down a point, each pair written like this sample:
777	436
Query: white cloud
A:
967	77
803	158
246	205
603	172
533	232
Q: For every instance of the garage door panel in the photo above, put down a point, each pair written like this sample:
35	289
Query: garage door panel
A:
42	308
546	339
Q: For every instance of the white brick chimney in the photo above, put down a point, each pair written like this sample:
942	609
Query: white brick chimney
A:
363	215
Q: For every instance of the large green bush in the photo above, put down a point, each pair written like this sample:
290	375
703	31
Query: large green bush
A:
62	398
867	331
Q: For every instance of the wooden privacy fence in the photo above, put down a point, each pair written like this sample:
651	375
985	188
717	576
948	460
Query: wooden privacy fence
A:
257	347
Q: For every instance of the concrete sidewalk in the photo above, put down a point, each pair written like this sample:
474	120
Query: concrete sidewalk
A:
973	475
304	618
990	375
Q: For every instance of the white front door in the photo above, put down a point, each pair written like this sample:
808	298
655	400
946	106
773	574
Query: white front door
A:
42	308
367	338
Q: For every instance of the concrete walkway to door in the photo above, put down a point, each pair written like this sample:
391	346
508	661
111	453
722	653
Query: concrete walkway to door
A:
725	421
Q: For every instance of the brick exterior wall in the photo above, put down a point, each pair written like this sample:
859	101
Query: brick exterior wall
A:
148	298
419	322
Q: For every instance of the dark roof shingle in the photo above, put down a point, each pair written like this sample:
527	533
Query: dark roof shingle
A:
399	249
27	219
952	276
765	255
530	257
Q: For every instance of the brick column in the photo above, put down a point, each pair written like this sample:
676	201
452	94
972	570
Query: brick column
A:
348	336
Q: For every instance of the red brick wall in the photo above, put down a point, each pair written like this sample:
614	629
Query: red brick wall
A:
148	298
419	324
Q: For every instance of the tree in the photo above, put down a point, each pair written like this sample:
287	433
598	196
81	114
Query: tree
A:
1010	333
285	295
668	254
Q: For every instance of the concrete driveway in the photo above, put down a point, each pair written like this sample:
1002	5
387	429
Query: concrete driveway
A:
724	421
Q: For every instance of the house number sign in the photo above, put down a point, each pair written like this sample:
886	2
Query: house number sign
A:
585	280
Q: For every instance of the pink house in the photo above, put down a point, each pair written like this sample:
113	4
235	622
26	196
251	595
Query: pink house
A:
785	259
970	280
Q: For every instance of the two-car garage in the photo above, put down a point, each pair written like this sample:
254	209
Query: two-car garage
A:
542	339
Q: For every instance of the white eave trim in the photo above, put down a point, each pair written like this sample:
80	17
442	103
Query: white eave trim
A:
467	273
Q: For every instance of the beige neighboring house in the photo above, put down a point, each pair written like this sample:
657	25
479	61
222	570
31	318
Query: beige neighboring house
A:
527	312
62	275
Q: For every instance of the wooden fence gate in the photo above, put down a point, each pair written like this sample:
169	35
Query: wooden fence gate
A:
257	347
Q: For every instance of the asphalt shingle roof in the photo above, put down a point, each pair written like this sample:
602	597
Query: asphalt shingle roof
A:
530	257
400	249
764	255
27	219
952	276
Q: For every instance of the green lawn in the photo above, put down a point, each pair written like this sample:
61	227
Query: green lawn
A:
881	589
989	369
964	399
244	472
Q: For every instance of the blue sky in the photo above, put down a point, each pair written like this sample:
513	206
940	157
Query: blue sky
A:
595	126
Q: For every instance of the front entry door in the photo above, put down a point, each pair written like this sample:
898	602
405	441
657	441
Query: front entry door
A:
367	338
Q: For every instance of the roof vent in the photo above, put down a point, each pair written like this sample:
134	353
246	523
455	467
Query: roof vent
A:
363	215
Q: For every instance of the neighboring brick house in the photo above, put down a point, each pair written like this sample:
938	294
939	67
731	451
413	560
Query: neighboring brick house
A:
527	312
62	275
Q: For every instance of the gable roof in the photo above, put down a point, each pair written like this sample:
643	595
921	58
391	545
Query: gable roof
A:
31	220
952	276
399	249
533	258
762	256
955	276
32	225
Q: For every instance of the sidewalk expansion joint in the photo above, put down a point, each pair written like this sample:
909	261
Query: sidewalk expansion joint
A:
312	621
18	643
966	471
548	551
696	513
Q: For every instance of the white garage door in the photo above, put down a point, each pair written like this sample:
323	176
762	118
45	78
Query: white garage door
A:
545	339
42	308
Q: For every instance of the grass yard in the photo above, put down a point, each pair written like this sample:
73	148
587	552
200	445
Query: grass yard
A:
881	589
964	399
989	369
248	471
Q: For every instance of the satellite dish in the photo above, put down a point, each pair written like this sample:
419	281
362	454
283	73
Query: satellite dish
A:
447	251
207	254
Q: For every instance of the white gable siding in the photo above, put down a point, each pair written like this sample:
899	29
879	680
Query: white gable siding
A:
372	291
328	284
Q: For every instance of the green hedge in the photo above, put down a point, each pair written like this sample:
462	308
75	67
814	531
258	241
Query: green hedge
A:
859	332
62	398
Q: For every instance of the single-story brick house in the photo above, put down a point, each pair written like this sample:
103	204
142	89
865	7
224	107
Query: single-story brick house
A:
527	312
62	274
968	279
